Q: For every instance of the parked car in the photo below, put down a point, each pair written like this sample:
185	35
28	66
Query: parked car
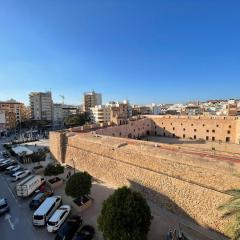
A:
4	162
8	164
39	199
58	218
69	228
3	206
8	169
87	232
19	175
6	155
17	168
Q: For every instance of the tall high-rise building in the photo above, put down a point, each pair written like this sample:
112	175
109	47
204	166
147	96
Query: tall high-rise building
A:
41	105
90	100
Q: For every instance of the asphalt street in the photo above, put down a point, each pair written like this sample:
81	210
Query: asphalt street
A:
18	223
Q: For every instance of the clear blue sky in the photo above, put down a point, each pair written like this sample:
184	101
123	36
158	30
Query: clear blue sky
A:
142	50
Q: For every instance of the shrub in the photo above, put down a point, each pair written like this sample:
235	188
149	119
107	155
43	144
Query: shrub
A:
53	170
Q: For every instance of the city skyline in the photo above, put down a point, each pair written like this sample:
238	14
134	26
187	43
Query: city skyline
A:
161	52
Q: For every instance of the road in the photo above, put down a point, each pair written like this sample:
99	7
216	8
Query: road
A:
18	223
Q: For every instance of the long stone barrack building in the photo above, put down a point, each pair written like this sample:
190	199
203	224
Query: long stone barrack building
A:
190	183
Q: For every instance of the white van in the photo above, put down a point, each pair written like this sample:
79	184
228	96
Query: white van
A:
26	187
46	209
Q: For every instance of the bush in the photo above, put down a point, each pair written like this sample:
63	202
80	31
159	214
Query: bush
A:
78	185
53	170
7	146
125	215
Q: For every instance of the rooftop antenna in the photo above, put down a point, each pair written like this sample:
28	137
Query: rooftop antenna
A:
63	98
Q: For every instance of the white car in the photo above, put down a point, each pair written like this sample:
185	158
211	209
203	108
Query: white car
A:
4	162
58	218
8	169
19	175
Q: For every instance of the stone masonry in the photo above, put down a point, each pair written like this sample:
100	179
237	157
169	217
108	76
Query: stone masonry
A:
178	182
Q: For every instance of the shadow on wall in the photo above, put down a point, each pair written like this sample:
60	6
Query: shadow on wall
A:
169	139
196	232
64	144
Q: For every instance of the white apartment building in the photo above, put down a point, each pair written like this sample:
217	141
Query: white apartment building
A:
100	114
41	105
155	109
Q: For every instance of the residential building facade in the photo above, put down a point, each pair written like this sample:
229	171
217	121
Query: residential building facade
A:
100	114
41	106
18	108
90	100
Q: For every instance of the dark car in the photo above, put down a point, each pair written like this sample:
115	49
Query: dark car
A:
39	199
85	233
69	228
3	206
5	155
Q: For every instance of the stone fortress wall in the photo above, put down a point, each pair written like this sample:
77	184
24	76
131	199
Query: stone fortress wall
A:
186	184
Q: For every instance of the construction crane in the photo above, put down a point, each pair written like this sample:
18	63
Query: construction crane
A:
63	98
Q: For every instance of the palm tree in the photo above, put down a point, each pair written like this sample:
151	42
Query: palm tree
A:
232	211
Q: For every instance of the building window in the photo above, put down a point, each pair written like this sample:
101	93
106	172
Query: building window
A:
217	125
184	136
173	135
171	123
195	130
203	125
181	124
207	138
192	124
229	126
228	131
207	130
227	139
164	128
120	134
173	128
164	134
184	129
213	138
195	137
213	131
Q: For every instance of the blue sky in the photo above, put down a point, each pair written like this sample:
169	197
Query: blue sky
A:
144	51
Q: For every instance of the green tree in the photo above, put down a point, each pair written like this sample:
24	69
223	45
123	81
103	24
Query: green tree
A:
76	120
79	185
125	215
38	156
232	211
53	170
